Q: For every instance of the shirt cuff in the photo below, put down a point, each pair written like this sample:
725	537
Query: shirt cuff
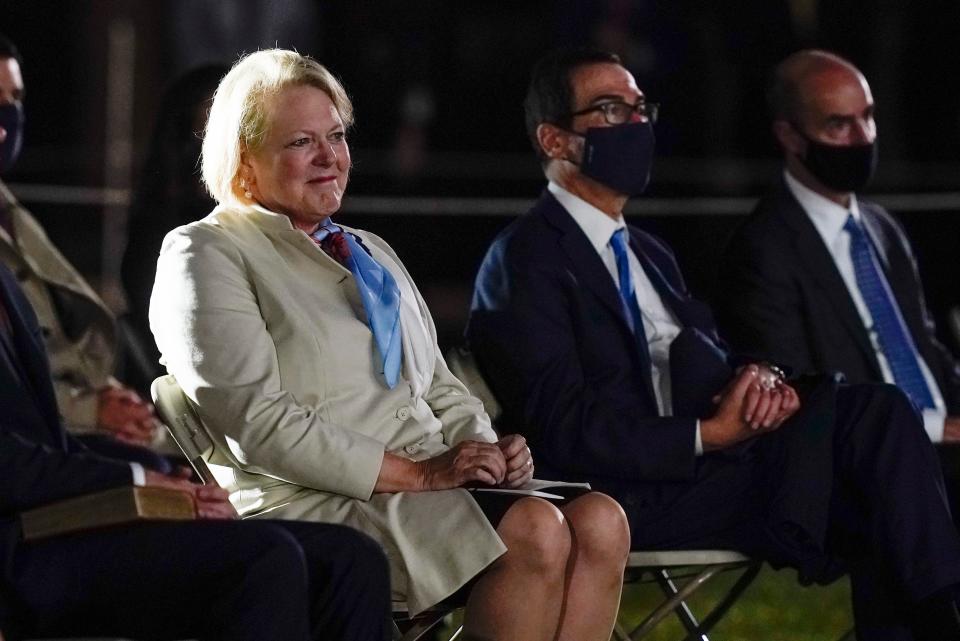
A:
139	476
697	441
933	422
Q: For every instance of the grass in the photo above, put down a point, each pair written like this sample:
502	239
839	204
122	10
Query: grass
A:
774	608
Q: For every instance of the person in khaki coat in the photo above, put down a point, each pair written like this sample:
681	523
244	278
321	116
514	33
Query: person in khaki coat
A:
80	332
320	378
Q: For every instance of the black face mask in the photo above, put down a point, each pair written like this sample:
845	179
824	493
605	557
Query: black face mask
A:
11	120
619	157
840	167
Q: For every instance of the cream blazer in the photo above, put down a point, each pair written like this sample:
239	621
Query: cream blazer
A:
266	335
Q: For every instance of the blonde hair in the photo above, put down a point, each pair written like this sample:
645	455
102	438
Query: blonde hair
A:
238	116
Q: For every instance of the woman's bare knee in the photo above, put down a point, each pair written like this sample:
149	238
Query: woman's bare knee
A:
601	530
536	535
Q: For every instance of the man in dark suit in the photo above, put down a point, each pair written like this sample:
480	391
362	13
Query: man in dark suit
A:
585	330
791	289
213	579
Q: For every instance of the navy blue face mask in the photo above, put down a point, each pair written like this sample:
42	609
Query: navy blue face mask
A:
619	157
11	120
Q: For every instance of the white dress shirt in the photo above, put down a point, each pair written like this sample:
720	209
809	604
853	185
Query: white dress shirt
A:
139	475
829	218
659	323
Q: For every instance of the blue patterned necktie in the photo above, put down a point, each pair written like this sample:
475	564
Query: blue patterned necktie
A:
628	295
891	330
378	291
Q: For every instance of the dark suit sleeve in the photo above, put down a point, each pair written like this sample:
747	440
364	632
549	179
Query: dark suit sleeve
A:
583	413
759	307
32	474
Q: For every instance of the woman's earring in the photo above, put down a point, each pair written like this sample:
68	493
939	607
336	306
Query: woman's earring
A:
246	192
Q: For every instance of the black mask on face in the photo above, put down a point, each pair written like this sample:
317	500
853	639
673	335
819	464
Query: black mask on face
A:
11	120
840	167
619	157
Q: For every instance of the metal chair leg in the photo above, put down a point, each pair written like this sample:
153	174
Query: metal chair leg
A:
676	598
719	610
619	633
681	609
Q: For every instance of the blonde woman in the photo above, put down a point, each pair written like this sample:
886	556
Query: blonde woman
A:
312	358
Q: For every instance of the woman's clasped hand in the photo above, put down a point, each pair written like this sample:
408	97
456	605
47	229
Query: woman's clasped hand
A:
506	463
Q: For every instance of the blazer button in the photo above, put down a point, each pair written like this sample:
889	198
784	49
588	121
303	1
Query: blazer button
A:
403	413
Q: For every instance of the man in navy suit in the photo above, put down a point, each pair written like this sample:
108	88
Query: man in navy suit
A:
586	332
212	579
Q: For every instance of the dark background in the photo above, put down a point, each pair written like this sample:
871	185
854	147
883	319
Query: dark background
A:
438	85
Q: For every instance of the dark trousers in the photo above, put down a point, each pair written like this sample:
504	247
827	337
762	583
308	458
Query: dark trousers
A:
106	445
884	515
212	580
950	464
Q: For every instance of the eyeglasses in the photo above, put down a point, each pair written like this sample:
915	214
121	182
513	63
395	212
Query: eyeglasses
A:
617	113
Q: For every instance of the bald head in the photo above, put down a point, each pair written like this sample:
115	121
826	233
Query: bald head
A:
823	120
796	81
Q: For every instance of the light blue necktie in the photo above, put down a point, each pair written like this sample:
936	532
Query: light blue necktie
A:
894	337
380	296
628	295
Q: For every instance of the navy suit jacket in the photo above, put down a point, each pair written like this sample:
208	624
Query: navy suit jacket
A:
782	296
39	462
550	334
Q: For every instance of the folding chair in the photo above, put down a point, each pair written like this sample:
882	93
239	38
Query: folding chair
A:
184	425
189	432
416	627
665	567
698	567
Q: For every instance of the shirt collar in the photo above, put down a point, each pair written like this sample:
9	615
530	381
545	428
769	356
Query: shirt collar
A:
827	216
597	226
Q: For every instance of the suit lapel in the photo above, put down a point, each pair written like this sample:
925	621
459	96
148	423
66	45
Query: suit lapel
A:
592	274
880	241
898	270
674	301
331	268
34	381
819	264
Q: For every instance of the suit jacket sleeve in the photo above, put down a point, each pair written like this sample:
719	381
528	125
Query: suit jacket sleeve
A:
760	310
532	349
207	321
32	474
